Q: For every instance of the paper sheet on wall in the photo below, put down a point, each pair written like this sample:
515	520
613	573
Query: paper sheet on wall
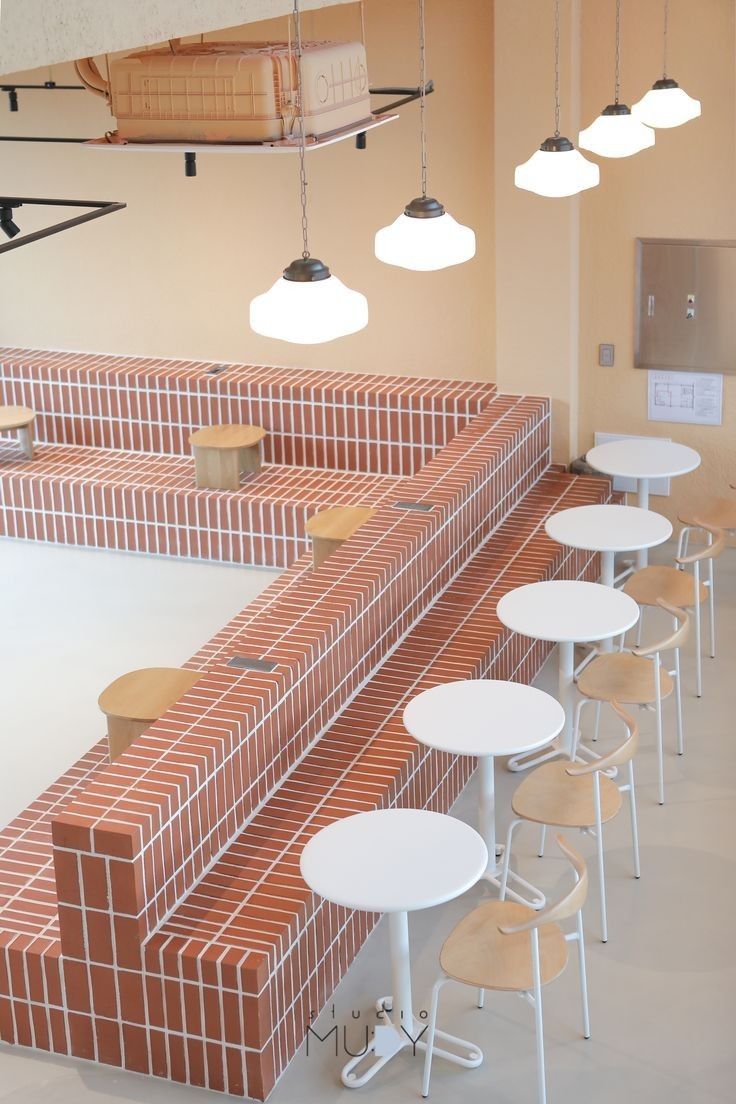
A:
695	397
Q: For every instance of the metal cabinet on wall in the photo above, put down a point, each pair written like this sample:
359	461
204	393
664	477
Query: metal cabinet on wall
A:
686	305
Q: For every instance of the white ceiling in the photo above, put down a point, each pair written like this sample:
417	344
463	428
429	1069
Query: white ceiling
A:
35	33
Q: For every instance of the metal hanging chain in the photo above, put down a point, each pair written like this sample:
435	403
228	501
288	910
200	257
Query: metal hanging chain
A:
423	97
666	28
557	68
618	51
302	135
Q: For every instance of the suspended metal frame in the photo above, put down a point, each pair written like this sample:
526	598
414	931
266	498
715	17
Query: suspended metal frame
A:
99	208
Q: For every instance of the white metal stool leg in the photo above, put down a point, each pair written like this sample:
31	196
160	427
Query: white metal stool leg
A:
711	603
578	937
431	1032
678	705
698	656
634	821
538	1022
601	865
660	747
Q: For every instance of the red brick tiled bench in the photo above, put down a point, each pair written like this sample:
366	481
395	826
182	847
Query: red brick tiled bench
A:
237	945
347	643
143	502
388	425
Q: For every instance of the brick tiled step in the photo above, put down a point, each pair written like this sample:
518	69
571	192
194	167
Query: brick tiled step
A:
284	952
144	502
389	425
131	846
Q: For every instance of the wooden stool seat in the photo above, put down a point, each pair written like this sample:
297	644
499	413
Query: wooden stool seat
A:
222	452
478	954
20	418
720	513
329	528
135	700
549	795
623	677
677	588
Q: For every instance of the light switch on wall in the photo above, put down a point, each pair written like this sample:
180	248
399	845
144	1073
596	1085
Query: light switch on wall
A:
605	356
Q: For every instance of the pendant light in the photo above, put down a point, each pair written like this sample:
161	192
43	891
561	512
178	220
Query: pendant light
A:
666	104
616	133
557	169
424	237
307	305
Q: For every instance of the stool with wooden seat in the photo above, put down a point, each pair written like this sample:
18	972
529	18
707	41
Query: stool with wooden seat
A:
719	513
639	678
566	794
678	587
19	418
505	946
222	452
135	700
330	528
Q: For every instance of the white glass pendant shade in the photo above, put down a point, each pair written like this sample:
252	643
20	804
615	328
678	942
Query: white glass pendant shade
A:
616	133
557	169
666	105
307	307
425	238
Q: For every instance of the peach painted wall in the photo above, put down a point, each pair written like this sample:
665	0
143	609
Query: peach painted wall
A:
174	273
537	248
685	187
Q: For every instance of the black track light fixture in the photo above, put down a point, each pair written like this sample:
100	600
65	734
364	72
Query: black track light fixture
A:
8	227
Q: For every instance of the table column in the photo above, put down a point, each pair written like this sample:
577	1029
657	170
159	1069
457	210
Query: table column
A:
487	809
566	684
403	1015
642	556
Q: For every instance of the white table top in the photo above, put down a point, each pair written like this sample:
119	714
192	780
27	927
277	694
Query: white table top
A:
484	717
393	860
608	528
637	458
568	610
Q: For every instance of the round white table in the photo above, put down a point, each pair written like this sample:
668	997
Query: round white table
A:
608	529
485	718
568	612
643	459
395	861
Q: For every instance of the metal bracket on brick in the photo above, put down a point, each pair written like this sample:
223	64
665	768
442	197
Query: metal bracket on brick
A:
251	663
423	507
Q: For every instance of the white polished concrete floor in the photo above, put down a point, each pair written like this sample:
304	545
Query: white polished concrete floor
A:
74	619
663	1010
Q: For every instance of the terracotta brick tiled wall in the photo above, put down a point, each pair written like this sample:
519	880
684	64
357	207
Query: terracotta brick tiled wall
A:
173	934
140	502
390	425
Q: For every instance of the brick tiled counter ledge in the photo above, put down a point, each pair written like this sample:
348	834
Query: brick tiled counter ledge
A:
285	949
389	425
170	804
152	841
143	502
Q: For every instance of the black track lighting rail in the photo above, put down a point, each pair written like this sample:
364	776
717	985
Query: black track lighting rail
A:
9	204
12	90
407	95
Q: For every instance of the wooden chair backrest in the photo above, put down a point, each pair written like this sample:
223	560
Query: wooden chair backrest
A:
616	758
675	639
711	550
566	906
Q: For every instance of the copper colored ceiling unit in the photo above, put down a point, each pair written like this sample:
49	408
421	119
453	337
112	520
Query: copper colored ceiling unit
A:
234	91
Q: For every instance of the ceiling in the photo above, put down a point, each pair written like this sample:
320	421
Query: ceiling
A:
36	33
